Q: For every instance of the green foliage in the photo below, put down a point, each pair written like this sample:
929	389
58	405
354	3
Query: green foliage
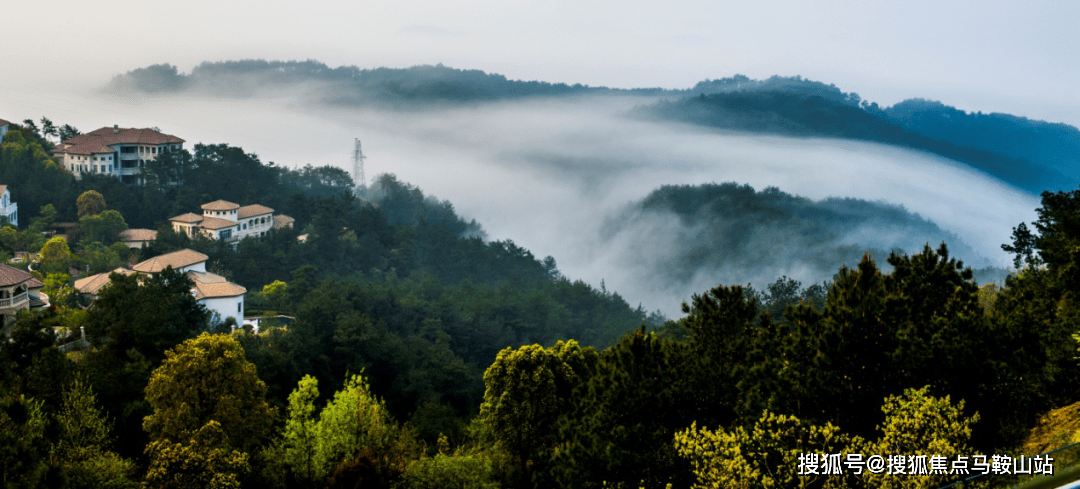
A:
920	424
55	256
103	227
90	203
354	426
526	390
207	378
45	218
23	446
300	440
84	438
765	455
31	365
204	459
625	416
133	322
471	471
352	421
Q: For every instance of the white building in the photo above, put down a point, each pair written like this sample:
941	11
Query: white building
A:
4	127
116	151
213	291
8	210
219	295
228	221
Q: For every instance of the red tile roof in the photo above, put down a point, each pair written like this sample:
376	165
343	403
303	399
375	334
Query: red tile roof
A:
176	259
252	211
217	223
189	217
2	122
96	142
138	235
283	221
94	283
220	205
210	285
12	276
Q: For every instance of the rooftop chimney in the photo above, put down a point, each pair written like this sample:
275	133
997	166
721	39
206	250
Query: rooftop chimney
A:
116	129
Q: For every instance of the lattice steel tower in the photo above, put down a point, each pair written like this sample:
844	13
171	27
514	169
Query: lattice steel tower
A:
358	166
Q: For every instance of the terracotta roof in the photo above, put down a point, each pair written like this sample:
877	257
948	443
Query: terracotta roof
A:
220	205
88	148
11	276
216	223
138	234
253	210
2	122
94	283
283	221
109	135
99	141
3	188
176	259
209	285
34	283
189	217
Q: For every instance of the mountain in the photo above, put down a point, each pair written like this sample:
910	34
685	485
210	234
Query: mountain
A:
790	110
737	234
346	85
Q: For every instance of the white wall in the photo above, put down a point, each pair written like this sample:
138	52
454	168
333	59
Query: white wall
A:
226	307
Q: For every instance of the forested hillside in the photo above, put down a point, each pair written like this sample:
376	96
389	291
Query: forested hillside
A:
419	355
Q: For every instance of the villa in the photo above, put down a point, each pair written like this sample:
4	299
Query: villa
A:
115	151
227	221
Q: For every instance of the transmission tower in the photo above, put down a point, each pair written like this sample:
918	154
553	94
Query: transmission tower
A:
358	166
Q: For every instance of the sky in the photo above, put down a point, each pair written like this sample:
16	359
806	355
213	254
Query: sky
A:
989	56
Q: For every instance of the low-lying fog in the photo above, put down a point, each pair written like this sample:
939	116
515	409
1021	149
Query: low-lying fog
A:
547	174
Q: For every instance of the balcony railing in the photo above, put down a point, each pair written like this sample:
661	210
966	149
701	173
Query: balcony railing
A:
13	301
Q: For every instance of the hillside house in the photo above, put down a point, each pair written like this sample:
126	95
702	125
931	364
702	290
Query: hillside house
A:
225	220
5	126
213	291
9	210
116	151
19	291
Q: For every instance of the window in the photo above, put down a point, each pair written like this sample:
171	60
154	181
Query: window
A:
245	227
238	308
226	234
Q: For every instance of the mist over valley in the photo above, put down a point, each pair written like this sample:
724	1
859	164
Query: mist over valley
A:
568	170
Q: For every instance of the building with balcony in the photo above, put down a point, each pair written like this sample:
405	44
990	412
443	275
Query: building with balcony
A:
225	220
9	211
116	151
19	291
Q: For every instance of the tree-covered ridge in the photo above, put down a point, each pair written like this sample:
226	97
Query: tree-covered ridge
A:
736	229
1054	145
351	86
788	110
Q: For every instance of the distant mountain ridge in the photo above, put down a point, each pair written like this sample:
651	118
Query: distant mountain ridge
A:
1032	155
